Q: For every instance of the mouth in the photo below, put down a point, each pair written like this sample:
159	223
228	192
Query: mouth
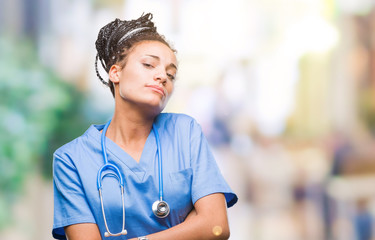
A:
157	89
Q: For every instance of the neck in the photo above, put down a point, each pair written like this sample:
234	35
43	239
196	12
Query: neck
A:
125	129
130	125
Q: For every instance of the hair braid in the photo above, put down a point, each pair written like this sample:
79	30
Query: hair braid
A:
97	71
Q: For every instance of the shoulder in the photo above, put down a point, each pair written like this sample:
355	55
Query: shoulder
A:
175	120
179	125
76	146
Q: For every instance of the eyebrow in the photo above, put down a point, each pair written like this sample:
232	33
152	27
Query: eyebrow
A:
158	58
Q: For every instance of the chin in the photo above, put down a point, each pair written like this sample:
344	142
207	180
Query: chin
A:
154	105
154	109
159	104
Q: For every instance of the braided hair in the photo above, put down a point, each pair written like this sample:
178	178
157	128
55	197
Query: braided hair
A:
116	39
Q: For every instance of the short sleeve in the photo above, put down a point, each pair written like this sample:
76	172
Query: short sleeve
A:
207	177
70	203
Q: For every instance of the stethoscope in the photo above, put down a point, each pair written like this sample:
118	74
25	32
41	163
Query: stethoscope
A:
160	208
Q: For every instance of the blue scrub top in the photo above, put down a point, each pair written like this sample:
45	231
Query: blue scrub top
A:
189	172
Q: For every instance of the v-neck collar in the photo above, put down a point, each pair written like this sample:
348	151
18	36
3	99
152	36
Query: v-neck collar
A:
138	168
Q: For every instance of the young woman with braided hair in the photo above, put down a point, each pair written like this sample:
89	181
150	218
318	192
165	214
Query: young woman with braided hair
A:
149	154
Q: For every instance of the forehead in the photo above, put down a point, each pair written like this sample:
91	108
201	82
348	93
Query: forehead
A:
154	48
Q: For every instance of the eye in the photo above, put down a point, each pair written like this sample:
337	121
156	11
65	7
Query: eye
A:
171	76
147	65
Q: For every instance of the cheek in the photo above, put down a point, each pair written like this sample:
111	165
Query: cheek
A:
126	88
128	81
170	88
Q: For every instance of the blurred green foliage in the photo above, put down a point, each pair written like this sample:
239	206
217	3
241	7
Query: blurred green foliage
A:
39	112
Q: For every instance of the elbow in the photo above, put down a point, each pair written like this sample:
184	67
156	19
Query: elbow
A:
221	233
226	234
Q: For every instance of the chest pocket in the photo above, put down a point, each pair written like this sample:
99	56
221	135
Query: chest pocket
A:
179	193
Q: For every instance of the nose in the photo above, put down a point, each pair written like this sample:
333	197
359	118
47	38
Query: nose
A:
161	76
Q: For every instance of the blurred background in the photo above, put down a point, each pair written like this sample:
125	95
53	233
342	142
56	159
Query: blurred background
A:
284	91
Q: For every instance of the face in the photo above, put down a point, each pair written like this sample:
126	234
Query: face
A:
147	79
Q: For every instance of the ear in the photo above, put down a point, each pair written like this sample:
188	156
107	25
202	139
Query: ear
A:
114	73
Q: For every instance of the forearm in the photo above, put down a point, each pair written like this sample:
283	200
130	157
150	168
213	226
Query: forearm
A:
201	224
195	228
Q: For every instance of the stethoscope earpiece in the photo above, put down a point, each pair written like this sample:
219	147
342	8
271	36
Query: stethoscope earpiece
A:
160	208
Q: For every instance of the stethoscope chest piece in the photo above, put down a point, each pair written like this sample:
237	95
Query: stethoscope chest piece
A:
160	208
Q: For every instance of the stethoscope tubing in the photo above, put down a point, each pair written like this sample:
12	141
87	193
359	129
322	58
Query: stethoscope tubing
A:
118	175
106	164
160	208
161	193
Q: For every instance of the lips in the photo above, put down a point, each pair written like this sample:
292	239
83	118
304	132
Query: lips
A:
157	89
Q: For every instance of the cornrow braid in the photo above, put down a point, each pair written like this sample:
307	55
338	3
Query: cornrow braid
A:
116	39
97	72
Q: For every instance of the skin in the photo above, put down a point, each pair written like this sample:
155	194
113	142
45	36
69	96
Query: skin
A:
142	89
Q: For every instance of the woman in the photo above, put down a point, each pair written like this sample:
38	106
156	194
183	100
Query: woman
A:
160	156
